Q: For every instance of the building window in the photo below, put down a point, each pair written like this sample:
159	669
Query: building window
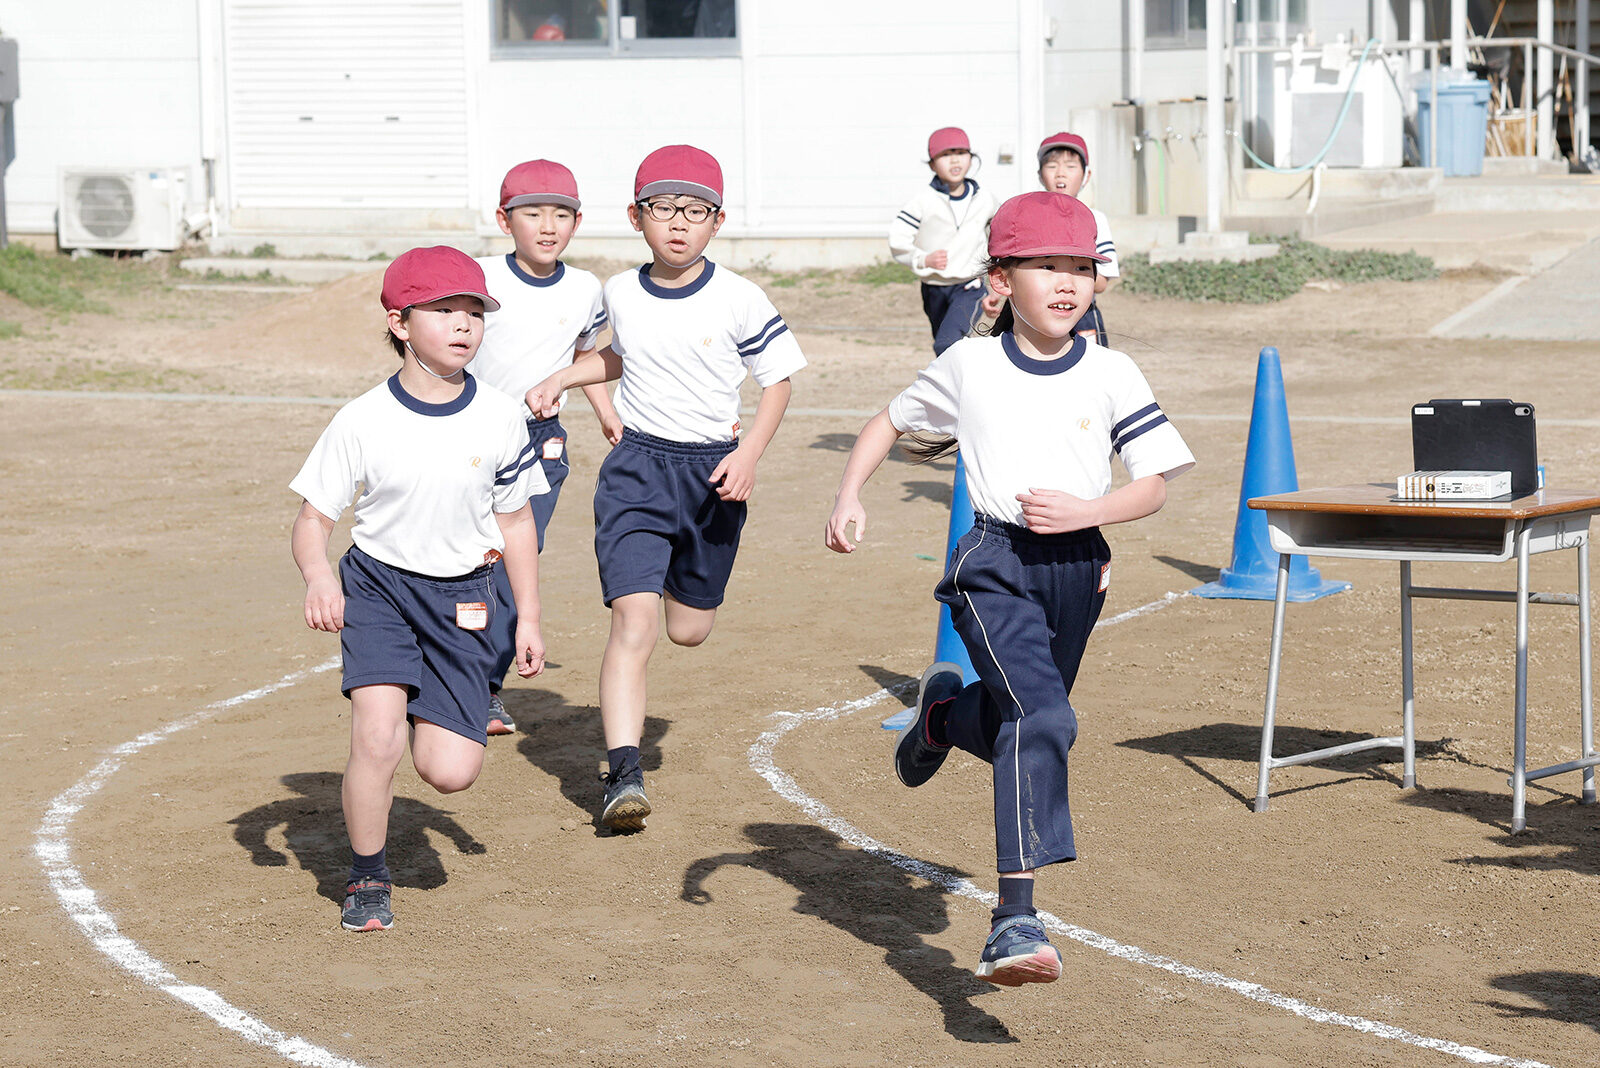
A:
1175	23
548	29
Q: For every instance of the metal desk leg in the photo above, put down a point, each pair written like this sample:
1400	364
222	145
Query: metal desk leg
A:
1267	721
1408	702
1519	748
1585	693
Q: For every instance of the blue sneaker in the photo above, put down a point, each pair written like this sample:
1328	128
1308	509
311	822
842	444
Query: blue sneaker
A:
366	906
1018	951
916	757
500	721
625	807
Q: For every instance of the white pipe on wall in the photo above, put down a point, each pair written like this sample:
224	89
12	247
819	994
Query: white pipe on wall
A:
1135	50
1458	34
750	91
1216	28
1030	81
1581	70
1545	84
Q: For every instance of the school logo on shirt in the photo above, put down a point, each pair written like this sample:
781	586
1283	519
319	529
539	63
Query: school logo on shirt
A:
476	460
705	342
1083	424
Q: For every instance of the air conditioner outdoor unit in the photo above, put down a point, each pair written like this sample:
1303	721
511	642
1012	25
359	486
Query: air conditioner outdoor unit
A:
122	207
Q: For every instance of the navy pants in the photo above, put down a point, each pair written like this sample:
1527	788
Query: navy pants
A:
1093	320
1024	605
540	432
951	311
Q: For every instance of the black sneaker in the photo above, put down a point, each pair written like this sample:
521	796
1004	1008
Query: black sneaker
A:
916	757
366	906
1018	951
625	806
500	721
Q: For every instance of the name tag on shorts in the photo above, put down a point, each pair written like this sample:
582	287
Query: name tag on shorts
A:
552	448
1105	577
473	615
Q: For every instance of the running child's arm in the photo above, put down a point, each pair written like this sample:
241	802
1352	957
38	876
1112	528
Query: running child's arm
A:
600	401
309	542
522	572
871	448
735	476
1054	512
593	368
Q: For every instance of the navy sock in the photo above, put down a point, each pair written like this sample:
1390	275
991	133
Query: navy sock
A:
363	867
624	761
938	721
1016	898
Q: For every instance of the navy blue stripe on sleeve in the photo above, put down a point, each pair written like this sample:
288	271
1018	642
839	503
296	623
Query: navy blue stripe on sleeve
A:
1135	417
762	336
1151	425
517	464
758	350
909	219
510	476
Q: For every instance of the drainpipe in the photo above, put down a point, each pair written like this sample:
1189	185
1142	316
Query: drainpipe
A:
1135	50
1458	35
1030	80
750	101
1216	175
1582	73
1545	83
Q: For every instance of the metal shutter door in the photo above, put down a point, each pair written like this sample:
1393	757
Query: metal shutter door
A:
346	103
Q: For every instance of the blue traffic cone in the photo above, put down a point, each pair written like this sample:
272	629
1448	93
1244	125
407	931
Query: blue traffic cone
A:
1268	469
947	644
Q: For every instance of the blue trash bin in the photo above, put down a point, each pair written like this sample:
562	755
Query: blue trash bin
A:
1463	125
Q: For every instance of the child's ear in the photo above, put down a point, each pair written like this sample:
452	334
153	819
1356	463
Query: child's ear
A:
577	217
717	220
397	324
503	219
998	283
633	217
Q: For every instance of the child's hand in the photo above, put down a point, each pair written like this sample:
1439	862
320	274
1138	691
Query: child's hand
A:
324	604
992	303
845	511
530	649
610	426
937	260
544	400
735	476
1055	512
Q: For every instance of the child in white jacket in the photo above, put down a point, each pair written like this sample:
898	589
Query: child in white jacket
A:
943	235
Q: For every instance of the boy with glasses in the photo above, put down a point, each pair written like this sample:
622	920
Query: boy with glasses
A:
669	502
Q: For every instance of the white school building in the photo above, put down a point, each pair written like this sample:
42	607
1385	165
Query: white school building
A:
362	126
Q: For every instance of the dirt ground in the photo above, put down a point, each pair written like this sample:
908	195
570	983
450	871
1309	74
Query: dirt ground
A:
148	575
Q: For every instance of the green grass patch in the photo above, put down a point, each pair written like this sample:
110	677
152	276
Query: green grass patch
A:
9	329
884	274
95	375
52	283
1274	278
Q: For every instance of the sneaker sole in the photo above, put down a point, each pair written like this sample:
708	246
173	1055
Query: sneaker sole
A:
373	924
627	815
1043	965
500	727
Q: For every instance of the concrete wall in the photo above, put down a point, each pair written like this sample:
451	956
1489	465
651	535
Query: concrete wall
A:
103	83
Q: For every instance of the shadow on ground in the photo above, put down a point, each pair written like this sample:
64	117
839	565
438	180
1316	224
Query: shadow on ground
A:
567	742
1242	742
313	829
1565	997
1201	573
1561	831
868	899
902	688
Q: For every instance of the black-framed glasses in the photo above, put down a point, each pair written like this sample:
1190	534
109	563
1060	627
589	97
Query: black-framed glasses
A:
663	210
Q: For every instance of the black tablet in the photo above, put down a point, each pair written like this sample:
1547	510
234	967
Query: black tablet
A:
1477	435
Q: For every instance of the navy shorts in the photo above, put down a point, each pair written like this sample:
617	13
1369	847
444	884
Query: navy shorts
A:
659	526
1024	605
952	311
400	628
543	432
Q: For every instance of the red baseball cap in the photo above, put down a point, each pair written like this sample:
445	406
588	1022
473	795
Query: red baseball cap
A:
539	181
1043	224
678	169
1064	140
946	138
427	274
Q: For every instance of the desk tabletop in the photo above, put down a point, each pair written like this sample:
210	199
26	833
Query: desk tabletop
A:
1377	498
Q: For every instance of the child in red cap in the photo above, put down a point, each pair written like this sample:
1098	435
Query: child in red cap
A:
446	472
669	502
551	313
1037	412
1064	168
941	233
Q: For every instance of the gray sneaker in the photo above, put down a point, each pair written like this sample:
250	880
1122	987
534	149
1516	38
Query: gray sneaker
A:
1018	951
625	806
916	757
366	906
500	721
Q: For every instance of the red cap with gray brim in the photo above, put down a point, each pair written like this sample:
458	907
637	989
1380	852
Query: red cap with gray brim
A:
1064	140
539	181
1043	224
947	139
424	275
679	170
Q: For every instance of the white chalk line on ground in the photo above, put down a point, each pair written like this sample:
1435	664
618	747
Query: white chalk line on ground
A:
816	413
762	762
54	850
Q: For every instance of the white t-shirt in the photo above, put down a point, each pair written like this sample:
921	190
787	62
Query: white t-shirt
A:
1027	424
1102	244
433	475
685	352
540	324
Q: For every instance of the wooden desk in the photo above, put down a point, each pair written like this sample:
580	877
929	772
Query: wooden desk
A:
1365	522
